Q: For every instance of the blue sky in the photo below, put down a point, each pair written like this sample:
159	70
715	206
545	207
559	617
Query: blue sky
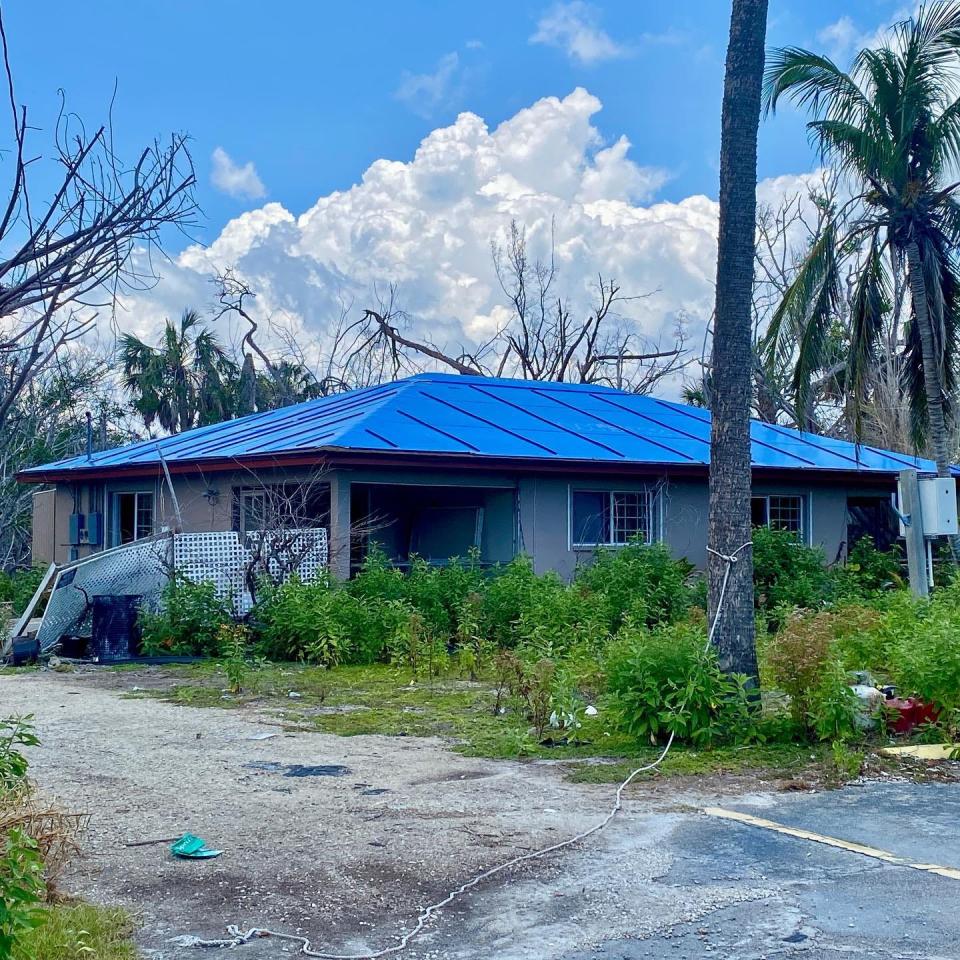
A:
311	93
343	148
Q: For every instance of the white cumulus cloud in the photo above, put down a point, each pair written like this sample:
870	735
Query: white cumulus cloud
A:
237	180
426	224
574	28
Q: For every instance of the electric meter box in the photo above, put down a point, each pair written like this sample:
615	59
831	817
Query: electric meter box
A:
938	504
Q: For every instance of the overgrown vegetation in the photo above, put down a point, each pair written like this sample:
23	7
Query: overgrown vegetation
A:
17	587
625	642
188	623
37	838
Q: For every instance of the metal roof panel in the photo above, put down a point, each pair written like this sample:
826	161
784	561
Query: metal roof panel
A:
488	417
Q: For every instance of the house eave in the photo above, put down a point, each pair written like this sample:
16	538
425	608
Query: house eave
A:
333	457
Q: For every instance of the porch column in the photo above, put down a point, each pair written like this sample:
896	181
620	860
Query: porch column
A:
338	532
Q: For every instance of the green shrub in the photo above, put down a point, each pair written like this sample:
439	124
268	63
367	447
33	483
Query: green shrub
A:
557	618
924	643
509	594
788	574
15	732
639	581
234	642
668	681
832	704
809	659
188	621
869	571
22	889
22	883
18	586
322	623
435	592
413	644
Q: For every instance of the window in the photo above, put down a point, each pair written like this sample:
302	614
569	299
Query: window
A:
132	516
609	518
778	513
281	506
253	510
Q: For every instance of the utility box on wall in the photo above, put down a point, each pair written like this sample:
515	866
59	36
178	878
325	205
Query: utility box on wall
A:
938	504
77	528
95	529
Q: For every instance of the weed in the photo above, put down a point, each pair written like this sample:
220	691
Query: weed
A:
188	622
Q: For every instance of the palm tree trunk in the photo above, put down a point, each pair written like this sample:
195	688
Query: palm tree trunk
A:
730	473
931	368
932	384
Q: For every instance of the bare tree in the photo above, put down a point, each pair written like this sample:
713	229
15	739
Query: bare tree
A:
543	339
280	524
64	257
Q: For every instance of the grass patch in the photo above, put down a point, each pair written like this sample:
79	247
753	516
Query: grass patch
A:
80	931
384	700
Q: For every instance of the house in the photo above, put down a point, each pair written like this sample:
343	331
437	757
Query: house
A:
436	465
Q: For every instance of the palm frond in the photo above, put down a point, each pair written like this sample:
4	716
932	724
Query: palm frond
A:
799	327
868	308
812	81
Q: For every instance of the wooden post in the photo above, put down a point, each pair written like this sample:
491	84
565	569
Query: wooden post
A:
913	531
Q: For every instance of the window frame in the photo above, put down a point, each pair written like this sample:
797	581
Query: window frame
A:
115	531
804	511
247	494
652	520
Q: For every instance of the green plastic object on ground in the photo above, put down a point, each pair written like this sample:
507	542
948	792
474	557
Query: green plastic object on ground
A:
189	847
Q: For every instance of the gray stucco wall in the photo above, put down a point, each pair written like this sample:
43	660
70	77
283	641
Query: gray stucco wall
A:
522	513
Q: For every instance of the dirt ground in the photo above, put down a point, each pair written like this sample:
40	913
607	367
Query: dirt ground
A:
347	855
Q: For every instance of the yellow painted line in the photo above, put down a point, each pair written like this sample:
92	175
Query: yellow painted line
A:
923	751
950	872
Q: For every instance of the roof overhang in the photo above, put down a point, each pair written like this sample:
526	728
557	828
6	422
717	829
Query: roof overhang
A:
339	458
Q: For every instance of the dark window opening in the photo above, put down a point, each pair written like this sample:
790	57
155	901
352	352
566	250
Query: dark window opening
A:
616	518
281	506
871	517
134	516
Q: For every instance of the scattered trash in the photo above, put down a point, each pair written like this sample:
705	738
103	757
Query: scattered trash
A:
321	770
591	711
190	847
293	695
870	699
262	735
912	713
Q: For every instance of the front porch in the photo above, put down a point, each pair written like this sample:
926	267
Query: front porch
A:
436	522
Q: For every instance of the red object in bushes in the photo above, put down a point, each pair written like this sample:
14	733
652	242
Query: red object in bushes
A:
912	712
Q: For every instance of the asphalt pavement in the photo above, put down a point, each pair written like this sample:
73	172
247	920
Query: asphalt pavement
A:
825	902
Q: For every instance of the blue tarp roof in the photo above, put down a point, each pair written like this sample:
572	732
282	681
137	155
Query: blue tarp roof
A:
446	414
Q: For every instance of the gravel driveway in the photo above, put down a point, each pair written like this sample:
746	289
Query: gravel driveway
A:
350	852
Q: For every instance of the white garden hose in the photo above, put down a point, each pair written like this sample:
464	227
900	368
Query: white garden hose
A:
236	937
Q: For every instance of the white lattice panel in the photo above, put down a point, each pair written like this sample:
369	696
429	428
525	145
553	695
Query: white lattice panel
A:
223	558
137	569
143	568
219	558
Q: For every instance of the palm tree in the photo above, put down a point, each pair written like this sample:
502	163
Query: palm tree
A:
891	125
183	382
731	583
